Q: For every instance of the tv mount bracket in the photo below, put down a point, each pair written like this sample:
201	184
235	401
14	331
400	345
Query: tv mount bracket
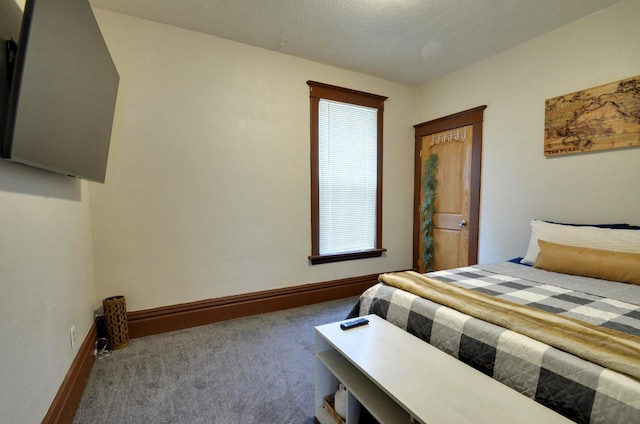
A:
11	49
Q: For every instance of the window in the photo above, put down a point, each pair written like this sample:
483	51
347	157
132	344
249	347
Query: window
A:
346	174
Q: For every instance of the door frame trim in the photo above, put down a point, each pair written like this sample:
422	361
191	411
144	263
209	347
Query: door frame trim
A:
468	117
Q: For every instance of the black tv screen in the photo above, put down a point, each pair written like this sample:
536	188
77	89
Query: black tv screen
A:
61	91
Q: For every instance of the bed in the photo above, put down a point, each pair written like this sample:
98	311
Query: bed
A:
585	366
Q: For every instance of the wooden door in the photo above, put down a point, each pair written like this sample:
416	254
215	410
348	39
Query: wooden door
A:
457	140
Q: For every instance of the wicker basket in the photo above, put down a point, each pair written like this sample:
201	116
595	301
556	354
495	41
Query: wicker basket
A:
115	314
329	406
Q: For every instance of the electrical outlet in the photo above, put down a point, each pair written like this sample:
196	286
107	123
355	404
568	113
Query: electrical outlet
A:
72	335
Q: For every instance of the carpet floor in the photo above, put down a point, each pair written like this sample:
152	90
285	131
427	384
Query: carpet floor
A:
258	369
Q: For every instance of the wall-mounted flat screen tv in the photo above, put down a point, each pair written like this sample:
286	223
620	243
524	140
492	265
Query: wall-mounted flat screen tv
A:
61	89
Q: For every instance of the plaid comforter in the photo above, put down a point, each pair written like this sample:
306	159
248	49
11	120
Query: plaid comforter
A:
582	391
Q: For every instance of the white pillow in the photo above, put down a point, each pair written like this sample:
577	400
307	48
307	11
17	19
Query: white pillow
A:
618	240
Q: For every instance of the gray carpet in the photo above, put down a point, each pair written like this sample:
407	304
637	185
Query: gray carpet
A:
257	369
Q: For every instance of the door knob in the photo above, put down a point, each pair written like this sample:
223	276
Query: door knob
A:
462	223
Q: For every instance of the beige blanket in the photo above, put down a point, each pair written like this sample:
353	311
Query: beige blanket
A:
609	348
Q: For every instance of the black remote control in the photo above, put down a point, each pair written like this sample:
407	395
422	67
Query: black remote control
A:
354	323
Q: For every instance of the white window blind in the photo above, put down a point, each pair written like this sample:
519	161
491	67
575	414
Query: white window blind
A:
347	176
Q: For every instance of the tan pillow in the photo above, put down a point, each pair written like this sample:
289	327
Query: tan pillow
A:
596	263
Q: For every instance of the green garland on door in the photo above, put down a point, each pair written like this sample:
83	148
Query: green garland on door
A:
428	209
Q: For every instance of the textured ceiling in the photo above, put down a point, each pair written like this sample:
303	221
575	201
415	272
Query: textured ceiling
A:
408	41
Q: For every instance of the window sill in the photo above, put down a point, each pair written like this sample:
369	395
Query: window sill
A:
346	256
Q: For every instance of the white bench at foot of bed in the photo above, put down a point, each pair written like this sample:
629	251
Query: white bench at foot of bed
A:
399	378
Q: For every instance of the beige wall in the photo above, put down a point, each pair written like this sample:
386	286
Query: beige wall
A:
208	184
518	183
46	275
207	190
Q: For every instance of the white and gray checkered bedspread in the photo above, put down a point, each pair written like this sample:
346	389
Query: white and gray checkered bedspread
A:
580	390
